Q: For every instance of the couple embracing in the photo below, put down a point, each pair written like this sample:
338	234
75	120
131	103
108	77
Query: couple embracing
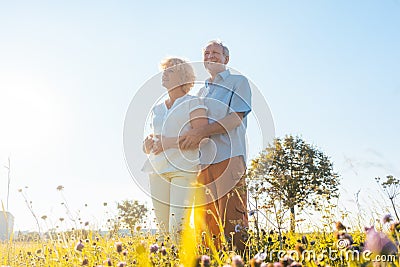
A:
198	145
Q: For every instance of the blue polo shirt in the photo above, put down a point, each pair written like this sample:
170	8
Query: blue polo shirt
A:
226	94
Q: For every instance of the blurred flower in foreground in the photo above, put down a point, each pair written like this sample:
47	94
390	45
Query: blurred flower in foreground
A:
60	188
79	246
118	246
387	218
378	242
154	248
205	261
237	261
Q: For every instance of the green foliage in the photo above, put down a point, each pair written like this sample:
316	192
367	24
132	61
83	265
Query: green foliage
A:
291	173
131	213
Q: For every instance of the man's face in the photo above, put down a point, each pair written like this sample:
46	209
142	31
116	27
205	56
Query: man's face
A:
213	57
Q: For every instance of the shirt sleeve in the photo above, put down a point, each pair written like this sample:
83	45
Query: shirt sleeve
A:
202	92
157	120
241	97
196	103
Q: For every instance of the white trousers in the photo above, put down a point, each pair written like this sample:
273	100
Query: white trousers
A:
173	197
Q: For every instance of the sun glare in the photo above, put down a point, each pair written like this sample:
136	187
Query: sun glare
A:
29	112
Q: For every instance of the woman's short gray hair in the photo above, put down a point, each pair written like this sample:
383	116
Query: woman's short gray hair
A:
186	70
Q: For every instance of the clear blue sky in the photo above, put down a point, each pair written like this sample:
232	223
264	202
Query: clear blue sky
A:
68	71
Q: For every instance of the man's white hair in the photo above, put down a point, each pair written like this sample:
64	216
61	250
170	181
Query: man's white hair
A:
225	49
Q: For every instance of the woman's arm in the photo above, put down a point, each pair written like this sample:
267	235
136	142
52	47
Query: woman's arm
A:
164	143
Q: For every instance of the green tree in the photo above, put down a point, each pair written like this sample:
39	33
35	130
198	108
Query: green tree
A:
132	213
294	173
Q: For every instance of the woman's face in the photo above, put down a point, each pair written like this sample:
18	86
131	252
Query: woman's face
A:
171	78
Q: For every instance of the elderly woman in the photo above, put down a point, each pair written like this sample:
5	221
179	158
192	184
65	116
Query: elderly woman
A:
173	172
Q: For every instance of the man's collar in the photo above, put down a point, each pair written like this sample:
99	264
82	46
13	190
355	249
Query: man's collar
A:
223	75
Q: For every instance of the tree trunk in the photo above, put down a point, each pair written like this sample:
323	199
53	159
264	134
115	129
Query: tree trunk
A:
292	220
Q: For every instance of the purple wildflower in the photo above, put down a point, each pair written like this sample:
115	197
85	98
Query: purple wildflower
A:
79	246
237	261
387	218
108	262
205	261
378	242
163	251
154	248
85	262
118	246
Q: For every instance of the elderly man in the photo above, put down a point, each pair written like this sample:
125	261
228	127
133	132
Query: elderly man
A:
228	99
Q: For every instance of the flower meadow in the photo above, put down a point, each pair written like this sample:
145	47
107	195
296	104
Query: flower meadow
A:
81	247
129	241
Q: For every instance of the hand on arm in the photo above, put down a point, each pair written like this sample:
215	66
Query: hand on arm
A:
198	120
163	143
224	125
193	137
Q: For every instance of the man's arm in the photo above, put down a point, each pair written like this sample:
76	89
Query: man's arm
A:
193	137
240	104
198	120
224	125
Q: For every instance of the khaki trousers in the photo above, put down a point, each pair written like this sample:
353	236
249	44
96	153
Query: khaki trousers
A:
224	204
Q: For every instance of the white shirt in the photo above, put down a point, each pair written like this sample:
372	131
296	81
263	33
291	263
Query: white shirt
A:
174	122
